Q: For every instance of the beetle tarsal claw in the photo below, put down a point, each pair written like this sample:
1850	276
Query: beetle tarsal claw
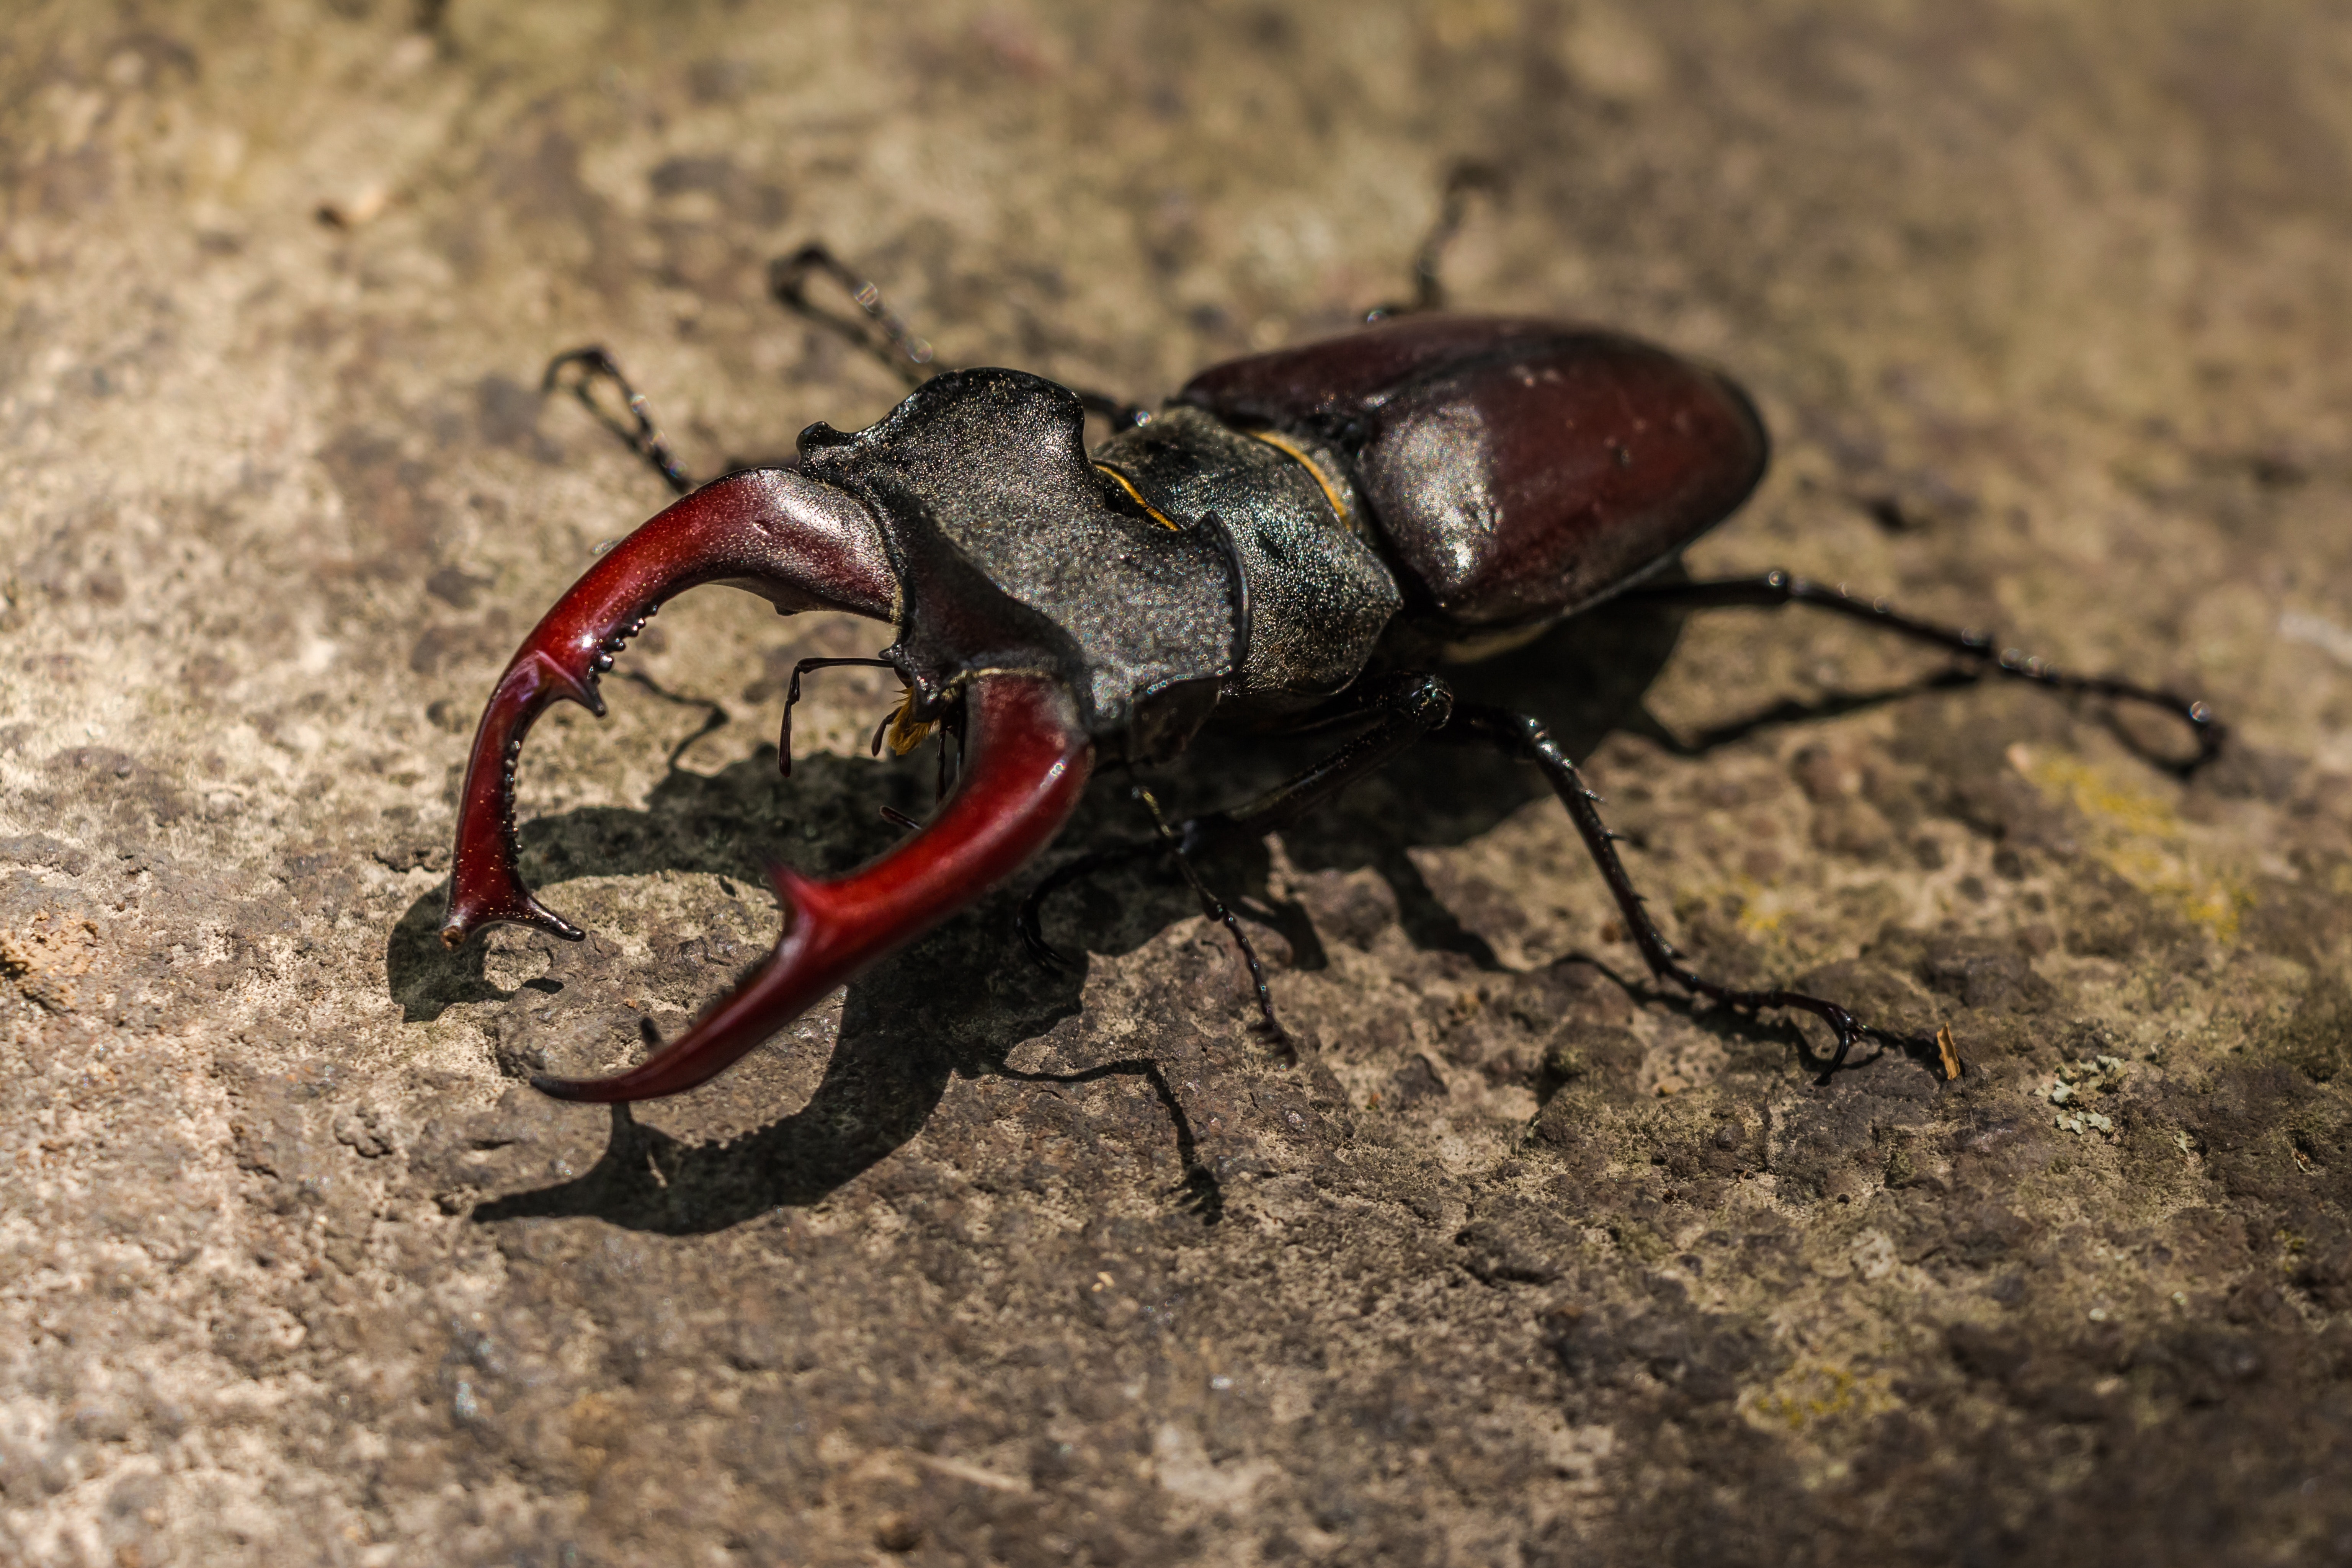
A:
1026	768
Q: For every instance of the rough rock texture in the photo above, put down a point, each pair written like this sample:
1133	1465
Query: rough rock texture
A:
1513	1261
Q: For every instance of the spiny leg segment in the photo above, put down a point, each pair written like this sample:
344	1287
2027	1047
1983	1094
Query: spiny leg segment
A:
1214	908
901	351
1463	180
640	434
1775	589
1524	737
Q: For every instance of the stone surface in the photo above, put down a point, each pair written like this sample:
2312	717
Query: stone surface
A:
1515	1261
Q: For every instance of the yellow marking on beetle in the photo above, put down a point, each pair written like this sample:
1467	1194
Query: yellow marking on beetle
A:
1128	484
1291	449
907	732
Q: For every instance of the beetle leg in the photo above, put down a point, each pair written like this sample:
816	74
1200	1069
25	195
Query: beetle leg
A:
793	696
1525	737
1214	908
1463	180
800	544
1775	589
905	353
1122	414
902	351
1028	767
1408	706
641	436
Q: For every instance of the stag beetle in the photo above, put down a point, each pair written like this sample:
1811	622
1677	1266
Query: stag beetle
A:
1301	537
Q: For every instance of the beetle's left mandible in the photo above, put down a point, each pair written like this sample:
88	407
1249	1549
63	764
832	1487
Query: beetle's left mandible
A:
804	545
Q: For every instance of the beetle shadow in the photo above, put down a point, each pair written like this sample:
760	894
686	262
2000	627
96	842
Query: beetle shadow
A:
877	1093
948	1006
957	1002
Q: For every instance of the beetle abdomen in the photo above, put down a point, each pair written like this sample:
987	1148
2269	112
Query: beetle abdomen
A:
1517	469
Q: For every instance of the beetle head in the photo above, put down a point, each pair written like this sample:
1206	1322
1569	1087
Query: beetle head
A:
1012	552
